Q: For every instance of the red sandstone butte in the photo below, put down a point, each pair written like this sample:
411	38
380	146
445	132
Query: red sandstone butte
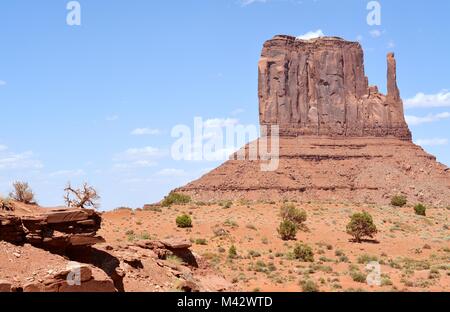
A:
341	139
319	87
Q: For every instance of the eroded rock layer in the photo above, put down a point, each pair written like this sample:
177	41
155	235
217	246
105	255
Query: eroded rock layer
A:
53	229
370	170
319	87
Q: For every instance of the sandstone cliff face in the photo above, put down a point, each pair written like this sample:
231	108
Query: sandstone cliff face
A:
319	87
341	139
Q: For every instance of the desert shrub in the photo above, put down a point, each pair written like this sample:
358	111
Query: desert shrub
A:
153	208
399	201
184	221
304	253
420	210
226	204
309	286
6	204
287	230
291	213
232	252
358	276
365	258
175	199
22	193
84	197
361	225
201	241
145	236
254	254
231	223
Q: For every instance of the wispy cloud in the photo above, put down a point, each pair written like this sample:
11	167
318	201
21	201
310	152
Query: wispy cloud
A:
170	172
237	111
311	35
248	2
220	122
440	99
376	33
416	120
15	161
432	142
138	158
2	83
145	131
112	117
68	173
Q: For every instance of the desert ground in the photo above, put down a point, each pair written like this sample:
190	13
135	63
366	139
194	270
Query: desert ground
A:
413	251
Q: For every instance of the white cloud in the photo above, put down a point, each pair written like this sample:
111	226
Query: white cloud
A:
2	83
68	173
112	118
220	122
311	35
375	33
248	2
170	172
145	131
138	153
238	111
13	161
440	99
432	142
138	158
415	120
135	164
391	44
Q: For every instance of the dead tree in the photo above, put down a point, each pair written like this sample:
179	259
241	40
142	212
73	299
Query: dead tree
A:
84	198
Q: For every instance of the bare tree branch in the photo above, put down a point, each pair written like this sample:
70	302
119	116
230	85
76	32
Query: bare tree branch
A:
85	197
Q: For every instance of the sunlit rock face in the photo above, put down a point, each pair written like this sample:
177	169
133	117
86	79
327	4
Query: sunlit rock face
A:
319	87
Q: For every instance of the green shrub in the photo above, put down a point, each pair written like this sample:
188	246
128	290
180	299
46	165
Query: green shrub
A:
287	230
357	276
304	253
201	241
184	221
361	225
291	213
399	201
175	199
420	210
232	252
365	259
309	286
145	236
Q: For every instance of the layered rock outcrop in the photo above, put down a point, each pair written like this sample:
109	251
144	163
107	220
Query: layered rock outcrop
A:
319	87
54	229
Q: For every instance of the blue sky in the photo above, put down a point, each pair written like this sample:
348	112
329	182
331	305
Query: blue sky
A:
97	102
